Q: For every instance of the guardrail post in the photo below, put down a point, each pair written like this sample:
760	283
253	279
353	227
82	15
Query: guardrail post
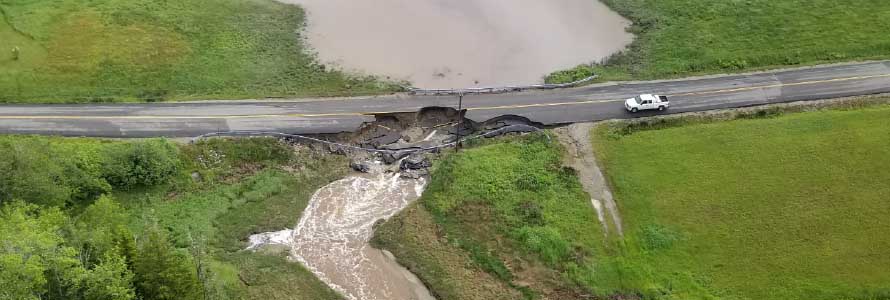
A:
460	120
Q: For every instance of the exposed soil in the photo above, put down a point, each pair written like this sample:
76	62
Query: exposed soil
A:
457	44
579	156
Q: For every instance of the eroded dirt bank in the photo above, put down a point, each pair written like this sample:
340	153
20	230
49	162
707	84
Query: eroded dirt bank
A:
456	44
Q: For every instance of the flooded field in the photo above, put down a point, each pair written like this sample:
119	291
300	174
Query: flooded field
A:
331	239
455	44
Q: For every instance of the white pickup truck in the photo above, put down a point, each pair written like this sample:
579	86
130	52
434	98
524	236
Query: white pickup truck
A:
646	102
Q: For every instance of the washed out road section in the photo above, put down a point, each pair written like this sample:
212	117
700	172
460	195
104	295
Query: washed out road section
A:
459	44
584	104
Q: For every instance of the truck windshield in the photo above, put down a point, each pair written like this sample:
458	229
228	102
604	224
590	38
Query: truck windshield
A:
638	100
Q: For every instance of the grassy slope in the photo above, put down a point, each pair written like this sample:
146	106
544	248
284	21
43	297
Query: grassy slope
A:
792	207
125	50
509	209
413	237
684	37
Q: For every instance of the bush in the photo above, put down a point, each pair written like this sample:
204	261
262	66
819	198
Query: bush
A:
657	237
571	75
530	213
40	172
546	242
140	164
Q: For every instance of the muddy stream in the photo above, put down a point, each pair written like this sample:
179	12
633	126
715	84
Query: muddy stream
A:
331	238
467	43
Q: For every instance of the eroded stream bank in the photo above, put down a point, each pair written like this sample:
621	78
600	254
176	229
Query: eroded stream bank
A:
392	158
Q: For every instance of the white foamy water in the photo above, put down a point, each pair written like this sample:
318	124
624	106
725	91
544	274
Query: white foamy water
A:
331	238
457	44
284	237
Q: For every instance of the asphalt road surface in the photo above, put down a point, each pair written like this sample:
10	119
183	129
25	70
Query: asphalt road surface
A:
308	116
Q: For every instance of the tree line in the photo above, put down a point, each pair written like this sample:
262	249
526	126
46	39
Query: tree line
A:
62	236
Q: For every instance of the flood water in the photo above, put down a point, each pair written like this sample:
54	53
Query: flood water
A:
331	238
462	43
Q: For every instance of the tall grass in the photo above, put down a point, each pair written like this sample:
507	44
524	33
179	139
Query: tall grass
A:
685	37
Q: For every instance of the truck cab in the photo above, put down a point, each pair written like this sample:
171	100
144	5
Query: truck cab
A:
647	102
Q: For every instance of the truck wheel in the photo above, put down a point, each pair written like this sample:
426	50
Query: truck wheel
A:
633	110
661	108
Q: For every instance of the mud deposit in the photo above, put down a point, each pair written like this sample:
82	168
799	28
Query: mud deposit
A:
332	237
457	44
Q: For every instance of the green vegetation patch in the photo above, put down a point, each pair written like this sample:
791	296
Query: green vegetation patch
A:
149	219
509	209
133	50
676	38
785	207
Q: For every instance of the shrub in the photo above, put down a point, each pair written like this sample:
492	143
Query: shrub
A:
530	213
571	75
657	237
40	172
140	164
546	242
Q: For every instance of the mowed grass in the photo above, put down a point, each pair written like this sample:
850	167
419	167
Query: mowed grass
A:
791	207
133	50
684	37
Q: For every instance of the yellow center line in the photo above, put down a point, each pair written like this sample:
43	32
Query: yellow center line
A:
723	91
542	104
149	117
347	114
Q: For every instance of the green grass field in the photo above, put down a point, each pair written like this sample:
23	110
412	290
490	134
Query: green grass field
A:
771	206
790	207
131	50
685	37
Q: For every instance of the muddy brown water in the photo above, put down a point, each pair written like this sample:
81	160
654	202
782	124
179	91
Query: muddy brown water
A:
331	238
467	43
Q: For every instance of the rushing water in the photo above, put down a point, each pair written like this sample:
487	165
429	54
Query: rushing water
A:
455	44
331	239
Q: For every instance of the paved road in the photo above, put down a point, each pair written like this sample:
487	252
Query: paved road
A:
590	103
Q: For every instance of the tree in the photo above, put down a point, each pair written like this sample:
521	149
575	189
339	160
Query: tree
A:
162	272
31	175
104	245
34	262
101	228
109	280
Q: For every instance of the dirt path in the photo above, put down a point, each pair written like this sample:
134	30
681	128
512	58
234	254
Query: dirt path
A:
579	156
